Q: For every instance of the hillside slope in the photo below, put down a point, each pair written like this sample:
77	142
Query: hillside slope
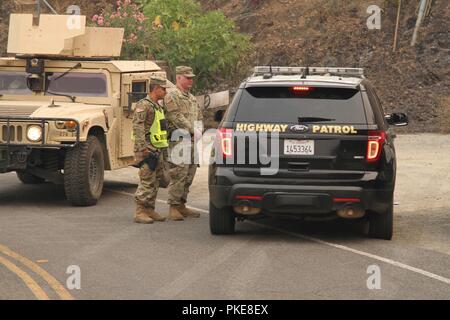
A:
334	33
415	80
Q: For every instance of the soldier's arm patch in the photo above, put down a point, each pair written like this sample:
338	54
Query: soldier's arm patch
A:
170	104
141	115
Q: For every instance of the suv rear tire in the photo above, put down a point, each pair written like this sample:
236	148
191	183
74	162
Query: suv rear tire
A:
84	173
28	178
221	221
381	225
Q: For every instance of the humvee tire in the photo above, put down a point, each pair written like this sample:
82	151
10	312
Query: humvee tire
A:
84	168
28	178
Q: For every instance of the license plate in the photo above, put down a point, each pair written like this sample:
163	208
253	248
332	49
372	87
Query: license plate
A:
299	147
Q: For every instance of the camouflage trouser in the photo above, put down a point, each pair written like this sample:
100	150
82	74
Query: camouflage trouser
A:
181	177
148	185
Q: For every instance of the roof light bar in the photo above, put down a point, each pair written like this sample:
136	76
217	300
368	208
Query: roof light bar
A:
262	70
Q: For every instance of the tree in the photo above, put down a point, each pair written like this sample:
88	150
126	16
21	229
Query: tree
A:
182	34
179	32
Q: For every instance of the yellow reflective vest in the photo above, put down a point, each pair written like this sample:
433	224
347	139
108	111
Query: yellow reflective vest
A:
158	129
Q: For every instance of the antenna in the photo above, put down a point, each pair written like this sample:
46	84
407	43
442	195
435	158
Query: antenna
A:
306	70
268	75
38	6
37	9
49	6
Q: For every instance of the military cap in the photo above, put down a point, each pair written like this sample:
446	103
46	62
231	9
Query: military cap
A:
159	81
185	71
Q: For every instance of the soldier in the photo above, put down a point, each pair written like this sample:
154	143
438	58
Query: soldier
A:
182	110
150	140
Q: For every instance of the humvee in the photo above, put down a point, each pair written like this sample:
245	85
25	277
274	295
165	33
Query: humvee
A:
65	104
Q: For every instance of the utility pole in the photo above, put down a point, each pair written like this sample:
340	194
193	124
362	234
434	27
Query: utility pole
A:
419	21
396	26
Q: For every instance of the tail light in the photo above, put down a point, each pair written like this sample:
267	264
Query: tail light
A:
375	143
249	197
226	142
301	88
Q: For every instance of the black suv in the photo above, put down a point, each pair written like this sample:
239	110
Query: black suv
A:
304	141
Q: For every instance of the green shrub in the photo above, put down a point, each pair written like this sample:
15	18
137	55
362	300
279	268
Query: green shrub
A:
179	32
182	34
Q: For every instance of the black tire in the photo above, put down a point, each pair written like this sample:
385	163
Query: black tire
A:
84	173
28	178
381	225
221	221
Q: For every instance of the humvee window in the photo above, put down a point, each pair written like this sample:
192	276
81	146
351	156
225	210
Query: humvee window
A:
139	86
78	84
14	83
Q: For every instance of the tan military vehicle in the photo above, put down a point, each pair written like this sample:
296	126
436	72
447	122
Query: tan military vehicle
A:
65	104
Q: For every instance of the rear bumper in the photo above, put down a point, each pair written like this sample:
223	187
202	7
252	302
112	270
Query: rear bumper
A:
297	196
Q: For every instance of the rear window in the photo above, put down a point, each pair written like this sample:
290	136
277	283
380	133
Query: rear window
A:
284	104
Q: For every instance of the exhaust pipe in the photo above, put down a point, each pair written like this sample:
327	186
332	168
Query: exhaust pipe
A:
351	212
245	208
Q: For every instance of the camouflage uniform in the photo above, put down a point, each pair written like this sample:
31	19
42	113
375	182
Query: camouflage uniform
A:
182	110
149	180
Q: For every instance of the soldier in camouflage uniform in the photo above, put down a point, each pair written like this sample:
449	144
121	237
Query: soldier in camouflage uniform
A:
150	138
182	110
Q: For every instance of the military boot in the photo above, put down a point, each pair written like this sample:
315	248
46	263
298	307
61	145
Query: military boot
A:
187	212
174	213
141	215
154	215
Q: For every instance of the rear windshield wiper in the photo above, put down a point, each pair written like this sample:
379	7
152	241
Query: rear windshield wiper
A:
313	119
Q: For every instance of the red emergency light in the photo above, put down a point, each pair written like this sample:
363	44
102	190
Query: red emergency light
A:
301	88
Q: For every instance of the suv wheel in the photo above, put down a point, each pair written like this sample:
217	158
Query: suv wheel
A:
381	224
84	173
28	178
221	221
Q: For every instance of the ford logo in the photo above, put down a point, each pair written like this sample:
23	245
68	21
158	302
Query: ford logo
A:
299	128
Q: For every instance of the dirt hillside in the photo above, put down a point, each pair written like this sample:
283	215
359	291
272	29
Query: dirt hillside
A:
334	33
415	80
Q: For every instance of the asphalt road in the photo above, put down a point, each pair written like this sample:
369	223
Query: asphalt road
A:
42	239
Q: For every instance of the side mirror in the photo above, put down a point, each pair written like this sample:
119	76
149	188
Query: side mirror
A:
219	116
397	119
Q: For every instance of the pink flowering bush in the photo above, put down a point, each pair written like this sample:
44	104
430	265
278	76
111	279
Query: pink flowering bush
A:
128	15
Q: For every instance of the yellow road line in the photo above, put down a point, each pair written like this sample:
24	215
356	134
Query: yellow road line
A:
54	284
26	278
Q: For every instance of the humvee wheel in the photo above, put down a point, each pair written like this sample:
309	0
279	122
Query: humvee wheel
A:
84	173
28	178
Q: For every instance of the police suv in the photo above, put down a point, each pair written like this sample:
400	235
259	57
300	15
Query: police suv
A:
305	141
